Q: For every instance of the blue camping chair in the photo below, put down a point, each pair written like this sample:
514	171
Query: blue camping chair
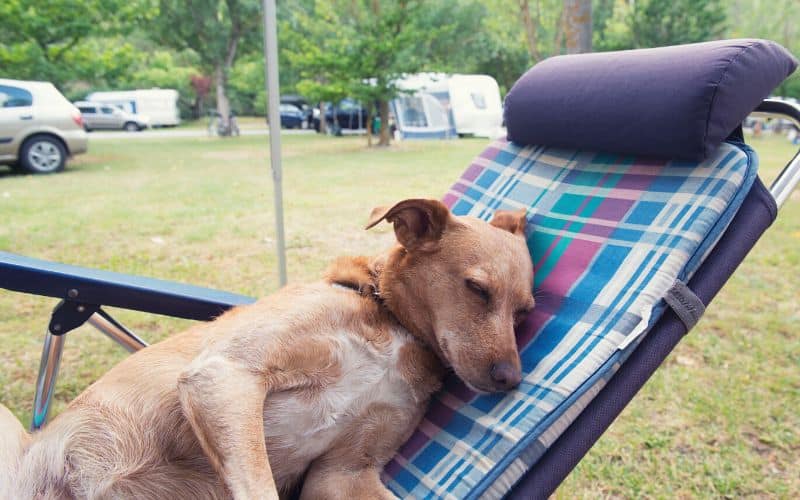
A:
642	200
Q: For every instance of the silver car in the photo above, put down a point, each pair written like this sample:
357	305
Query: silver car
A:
98	116
39	127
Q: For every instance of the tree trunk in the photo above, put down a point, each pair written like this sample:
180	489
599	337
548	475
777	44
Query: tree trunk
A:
530	29
223	107
578	25
323	123
369	127
386	131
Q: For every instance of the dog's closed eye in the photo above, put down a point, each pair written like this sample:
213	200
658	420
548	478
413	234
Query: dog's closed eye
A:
479	290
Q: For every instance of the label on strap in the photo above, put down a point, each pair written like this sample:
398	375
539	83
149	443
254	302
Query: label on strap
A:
687	306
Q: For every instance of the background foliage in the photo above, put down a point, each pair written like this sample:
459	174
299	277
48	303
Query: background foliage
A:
331	48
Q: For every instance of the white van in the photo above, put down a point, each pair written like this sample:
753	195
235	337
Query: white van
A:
159	105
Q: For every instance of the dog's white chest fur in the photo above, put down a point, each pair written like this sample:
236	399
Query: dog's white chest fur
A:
300	425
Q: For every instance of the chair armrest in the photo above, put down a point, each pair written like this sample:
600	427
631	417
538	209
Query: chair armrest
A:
94	286
789	177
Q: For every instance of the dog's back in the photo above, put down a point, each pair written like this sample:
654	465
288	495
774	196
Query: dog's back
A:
126	436
332	377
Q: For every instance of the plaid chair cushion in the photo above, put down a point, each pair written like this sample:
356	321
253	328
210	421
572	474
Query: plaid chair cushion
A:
608	236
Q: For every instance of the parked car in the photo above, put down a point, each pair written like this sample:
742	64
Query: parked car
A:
301	103
98	116
349	115
292	117
39	127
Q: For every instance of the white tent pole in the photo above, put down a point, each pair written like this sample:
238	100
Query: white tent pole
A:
273	111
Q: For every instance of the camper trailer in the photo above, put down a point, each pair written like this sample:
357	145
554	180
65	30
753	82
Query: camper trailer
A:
159	105
439	106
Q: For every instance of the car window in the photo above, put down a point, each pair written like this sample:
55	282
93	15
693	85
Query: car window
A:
88	109
107	110
14	97
288	108
347	105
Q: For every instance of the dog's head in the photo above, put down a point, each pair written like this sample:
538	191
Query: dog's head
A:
462	285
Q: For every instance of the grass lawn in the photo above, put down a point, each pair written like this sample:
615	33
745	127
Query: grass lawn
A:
719	419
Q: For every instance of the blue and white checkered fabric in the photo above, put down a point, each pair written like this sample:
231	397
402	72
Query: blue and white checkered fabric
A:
608	235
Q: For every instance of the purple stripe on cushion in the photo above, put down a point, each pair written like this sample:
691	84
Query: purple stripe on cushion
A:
439	414
472	172
414	443
392	468
460	187
612	209
540	315
491	152
597	230
450	199
570	266
637	181
457	389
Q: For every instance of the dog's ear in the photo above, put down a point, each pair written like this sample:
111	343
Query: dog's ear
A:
418	223
512	221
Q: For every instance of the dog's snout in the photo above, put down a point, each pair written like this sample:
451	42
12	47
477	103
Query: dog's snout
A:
505	376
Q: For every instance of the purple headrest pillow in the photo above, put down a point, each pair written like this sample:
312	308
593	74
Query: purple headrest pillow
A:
675	102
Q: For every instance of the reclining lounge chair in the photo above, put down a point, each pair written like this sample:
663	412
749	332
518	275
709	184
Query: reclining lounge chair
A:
642	200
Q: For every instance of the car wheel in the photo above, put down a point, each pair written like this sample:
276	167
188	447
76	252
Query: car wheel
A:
42	154
131	127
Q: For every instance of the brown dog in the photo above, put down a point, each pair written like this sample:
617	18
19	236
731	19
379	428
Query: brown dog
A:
326	379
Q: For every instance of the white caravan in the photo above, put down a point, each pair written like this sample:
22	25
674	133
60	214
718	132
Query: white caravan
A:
159	105
435	105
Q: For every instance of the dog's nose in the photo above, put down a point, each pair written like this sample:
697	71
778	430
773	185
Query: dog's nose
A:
505	375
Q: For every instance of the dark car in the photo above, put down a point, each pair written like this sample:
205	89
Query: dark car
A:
301	103
292	117
349	115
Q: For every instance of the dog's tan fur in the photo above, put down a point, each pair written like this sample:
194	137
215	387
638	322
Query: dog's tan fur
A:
314	387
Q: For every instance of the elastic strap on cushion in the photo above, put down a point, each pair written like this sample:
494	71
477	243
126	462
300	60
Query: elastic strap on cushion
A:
687	306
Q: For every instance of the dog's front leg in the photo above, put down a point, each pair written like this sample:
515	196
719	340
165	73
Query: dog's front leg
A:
350	469
336	483
224	403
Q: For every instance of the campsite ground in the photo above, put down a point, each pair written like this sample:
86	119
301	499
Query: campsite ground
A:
719	419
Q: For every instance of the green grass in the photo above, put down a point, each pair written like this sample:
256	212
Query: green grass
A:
720	419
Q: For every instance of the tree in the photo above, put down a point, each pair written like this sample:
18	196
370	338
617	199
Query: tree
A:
656	23
514	35
390	40
57	40
578	25
361	48
215	30
315	45
774	20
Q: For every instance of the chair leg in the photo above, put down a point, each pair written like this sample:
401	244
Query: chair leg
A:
116	332
46	381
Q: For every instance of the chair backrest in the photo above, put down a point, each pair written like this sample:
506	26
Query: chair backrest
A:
610	234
